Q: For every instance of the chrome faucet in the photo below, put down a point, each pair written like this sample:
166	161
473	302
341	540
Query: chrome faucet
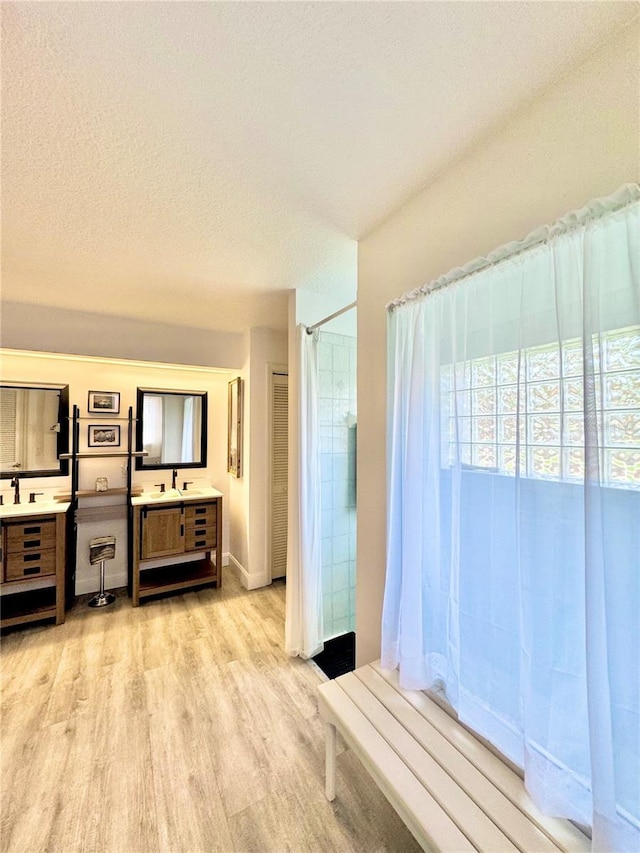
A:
15	485
174	474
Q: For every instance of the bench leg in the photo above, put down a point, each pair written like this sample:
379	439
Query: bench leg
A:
330	761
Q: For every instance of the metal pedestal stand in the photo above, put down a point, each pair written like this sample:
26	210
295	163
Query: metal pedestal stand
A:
101	549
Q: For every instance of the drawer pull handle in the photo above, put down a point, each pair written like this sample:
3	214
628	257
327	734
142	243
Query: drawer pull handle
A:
32	543
201	544
29	530
30	558
201	521
200	510
35	570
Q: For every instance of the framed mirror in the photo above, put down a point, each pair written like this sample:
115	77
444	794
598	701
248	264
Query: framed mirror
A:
34	430
234	441
172	427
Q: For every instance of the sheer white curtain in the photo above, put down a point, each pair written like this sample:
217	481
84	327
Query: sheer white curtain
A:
513	564
187	430
304	625
153	415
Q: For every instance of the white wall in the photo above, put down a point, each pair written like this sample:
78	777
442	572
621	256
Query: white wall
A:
267	349
47	329
578	141
84	374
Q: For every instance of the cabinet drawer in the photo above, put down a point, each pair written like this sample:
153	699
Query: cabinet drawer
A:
196	540
30	536
200	515
30	565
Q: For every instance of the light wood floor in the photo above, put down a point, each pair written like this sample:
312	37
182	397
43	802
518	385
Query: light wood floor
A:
177	726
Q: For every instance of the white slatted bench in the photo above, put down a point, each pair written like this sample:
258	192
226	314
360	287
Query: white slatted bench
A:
452	792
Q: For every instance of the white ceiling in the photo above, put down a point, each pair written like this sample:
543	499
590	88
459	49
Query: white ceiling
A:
188	162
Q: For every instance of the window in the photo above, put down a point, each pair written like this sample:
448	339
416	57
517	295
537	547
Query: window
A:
484	406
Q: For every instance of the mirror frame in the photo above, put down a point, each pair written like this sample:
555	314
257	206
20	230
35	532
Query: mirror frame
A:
234	428
178	392
62	443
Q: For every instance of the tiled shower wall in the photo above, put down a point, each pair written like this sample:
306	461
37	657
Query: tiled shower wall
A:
337	412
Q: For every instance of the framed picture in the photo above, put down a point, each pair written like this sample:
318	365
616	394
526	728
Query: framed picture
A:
104	436
104	402
234	445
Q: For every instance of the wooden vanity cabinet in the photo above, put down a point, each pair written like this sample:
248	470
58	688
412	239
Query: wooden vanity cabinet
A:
176	530
162	532
33	568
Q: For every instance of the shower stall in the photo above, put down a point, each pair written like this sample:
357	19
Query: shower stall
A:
337	421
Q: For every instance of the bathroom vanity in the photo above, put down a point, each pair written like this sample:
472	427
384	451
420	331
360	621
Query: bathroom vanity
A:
33	543
176	541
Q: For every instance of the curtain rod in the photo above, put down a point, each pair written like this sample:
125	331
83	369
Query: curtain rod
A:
311	329
626	195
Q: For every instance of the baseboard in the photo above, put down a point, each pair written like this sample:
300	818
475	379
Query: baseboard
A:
113	580
247	579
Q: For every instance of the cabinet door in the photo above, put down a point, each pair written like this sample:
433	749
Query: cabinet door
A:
162	533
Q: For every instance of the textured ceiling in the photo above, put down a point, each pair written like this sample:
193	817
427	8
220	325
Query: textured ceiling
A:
188	162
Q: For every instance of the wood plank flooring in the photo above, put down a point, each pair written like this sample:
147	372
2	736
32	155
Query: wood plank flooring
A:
180	726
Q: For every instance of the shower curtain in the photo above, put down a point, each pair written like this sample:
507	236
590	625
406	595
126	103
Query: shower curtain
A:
304	625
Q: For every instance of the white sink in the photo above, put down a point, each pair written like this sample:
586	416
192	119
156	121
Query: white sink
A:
166	495
193	494
172	495
37	508
152	497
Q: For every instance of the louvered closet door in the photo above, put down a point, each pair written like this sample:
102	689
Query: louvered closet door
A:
9	451
279	471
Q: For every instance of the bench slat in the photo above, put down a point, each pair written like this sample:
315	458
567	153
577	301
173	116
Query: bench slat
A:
524	834
417	808
563	832
466	814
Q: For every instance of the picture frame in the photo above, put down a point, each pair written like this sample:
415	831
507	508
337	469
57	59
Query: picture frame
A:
234	443
103	403
103	435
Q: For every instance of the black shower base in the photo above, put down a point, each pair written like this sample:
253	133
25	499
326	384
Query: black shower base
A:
338	656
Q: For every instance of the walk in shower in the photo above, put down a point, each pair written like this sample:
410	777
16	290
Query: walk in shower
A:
337	411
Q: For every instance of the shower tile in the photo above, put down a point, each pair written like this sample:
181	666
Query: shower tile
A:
341	604
340	412
327	607
352	546
326	467
327	551
340	494
341	626
341	386
325	355
327	581
340	440
352	573
340	549
340	466
326	499
325	413
327	524
325	384
340	360
326	438
339	521
341	578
